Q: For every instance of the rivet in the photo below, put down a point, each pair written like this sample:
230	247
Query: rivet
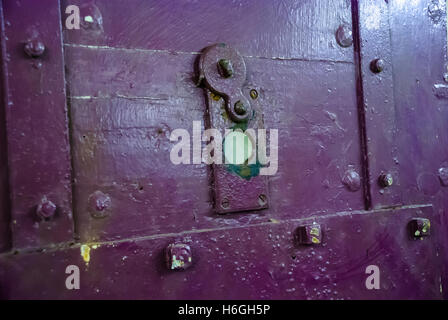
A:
344	36
240	108
254	94
351	180
443	176
178	256
225	203
225	68
46	208
34	48
385	180
377	65
262	199
99	203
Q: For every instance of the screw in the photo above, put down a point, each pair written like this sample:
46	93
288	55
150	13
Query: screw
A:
262	199
385	180
225	68
377	65
45	209
240	108
99	202
253	94
344	36
34	48
178	256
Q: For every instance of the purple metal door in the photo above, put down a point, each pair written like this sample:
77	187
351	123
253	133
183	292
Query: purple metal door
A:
87	180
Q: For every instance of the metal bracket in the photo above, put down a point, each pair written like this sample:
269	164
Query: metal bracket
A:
224	72
237	187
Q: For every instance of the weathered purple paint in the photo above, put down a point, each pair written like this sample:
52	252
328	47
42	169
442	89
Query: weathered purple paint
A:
130	82
36	122
5	232
260	262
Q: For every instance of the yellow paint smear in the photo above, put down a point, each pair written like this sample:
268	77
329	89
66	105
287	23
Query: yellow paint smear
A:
85	252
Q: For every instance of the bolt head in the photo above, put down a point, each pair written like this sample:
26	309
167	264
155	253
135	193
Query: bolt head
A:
344	36
46	209
240	108
385	180
309	234
99	203
34	48
178	256
419	227
377	65
225	68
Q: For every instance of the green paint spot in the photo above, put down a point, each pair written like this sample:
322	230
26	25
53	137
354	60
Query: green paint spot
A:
245	171
241	125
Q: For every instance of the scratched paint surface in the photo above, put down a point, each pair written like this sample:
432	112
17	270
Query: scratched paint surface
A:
37	125
121	146
273	268
130	82
405	119
122	115
306	28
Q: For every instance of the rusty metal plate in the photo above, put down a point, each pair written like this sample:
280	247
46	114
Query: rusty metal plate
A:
237	186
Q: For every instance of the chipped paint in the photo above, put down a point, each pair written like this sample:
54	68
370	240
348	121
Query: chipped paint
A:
314	231
426	226
176	263
290	90
214	96
86	251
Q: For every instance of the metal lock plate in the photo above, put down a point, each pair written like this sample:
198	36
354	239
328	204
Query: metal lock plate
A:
231	107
